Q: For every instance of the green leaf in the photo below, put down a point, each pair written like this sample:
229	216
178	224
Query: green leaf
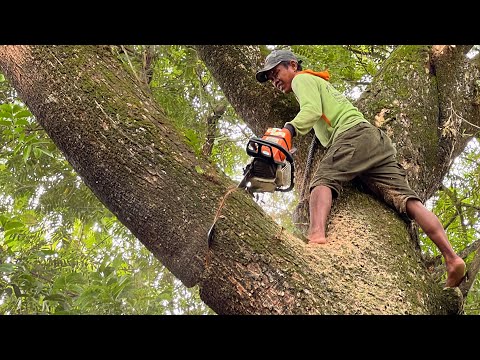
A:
7	268
23	113
29	219
193	139
21	122
16	108
26	153
37	153
3	220
55	297
89	240
198	169
13	225
2	78
19	129
7	107
46	152
43	253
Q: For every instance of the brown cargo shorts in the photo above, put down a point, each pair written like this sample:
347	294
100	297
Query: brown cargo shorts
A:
366	152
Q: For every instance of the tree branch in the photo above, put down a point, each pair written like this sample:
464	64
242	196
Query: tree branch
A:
469	249
130	63
449	222
470	206
458	208
133	159
471	273
148	57
464	49
212	121
437	260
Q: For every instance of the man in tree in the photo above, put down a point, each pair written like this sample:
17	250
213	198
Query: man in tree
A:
355	149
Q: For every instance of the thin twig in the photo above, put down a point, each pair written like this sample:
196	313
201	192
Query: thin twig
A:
103	111
130	63
460	117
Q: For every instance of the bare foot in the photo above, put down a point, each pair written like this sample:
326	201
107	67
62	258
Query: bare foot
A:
456	271
313	240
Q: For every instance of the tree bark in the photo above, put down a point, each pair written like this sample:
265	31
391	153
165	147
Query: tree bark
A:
426	99
125	149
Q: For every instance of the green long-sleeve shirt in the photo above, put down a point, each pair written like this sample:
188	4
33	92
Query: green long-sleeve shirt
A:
322	108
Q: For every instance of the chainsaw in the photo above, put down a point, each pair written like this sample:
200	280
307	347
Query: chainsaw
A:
271	168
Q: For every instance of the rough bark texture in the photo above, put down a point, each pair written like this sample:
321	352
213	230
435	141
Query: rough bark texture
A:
127	152
419	98
370	266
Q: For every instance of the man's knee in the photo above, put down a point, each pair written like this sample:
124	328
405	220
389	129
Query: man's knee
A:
414	207
324	186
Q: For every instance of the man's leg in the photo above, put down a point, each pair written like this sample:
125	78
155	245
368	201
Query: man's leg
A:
430	224
320	205
348	157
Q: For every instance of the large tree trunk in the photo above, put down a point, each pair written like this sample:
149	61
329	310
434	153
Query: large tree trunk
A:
127	152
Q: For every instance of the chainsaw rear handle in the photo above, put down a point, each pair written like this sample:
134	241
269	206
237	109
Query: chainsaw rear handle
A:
255	146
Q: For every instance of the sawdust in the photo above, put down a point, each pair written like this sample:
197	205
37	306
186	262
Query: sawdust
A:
368	286
380	117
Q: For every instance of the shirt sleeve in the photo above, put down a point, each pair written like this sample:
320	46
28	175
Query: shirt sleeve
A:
307	92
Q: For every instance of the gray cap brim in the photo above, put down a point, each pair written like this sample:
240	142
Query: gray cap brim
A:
261	74
272	60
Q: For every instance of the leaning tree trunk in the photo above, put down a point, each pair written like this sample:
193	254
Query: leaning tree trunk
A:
128	153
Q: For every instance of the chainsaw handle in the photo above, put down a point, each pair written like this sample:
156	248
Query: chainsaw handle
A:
256	151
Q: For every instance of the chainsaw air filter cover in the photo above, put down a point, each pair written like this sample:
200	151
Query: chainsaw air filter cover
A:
283	176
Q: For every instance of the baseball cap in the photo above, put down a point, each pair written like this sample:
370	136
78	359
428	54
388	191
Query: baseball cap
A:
272	60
